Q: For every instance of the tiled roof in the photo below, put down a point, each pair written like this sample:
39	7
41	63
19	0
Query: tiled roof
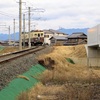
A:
47	32
55	31
77	35
36	30
59	37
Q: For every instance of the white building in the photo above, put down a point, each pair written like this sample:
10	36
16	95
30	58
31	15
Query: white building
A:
50	33
93	46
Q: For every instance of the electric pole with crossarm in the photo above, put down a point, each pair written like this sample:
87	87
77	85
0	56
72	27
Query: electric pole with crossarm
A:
20	24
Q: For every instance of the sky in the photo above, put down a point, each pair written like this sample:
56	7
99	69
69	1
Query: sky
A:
51	14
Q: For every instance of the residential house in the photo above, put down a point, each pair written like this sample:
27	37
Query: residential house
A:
76	38
58	40
4	43
47	35
50	33
0	43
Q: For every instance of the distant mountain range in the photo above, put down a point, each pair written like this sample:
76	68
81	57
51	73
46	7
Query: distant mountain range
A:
70	31
4	37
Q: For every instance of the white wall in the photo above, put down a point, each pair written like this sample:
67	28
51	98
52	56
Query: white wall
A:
93	47
46	39
94	36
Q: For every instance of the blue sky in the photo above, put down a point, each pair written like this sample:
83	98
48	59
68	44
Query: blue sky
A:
58	13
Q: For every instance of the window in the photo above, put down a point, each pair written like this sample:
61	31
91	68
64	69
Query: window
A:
46	36
25	36
41	34
76	40
52	41
38	35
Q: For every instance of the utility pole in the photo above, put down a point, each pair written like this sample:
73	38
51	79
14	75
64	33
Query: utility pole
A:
29	43
20	24
24	30
14	32
9	34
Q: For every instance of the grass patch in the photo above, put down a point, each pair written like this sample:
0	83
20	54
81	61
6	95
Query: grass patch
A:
1	48
70	60
66	80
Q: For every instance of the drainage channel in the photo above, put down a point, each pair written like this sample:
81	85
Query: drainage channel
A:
19	85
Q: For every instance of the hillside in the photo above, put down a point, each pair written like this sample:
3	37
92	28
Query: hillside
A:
64	80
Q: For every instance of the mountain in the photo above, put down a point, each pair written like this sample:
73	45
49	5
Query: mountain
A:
4	37
70	31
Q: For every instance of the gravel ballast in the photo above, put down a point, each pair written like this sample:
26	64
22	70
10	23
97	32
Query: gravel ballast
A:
13	68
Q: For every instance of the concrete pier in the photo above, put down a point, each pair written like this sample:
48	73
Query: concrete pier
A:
93	56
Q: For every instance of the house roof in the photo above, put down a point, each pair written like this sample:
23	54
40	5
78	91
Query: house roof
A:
47	32
25	32
59	37
55	31
36	30
77	35
33	31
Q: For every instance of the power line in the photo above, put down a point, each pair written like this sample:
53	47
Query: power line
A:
5	14
30	3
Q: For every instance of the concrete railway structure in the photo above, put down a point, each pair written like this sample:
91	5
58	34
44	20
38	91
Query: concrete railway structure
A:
93	46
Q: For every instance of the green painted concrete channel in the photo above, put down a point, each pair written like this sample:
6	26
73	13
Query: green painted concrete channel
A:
19	85
1	48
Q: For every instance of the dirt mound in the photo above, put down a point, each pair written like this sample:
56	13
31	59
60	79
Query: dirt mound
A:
79	51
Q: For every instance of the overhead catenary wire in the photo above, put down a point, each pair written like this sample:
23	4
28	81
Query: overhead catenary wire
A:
12	16
7	15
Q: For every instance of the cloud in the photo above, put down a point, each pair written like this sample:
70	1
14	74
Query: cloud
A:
64	13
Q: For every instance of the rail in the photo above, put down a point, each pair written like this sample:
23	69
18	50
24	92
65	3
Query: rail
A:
15	55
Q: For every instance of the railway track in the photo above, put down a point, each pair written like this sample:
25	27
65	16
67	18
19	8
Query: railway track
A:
11	66
14	55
